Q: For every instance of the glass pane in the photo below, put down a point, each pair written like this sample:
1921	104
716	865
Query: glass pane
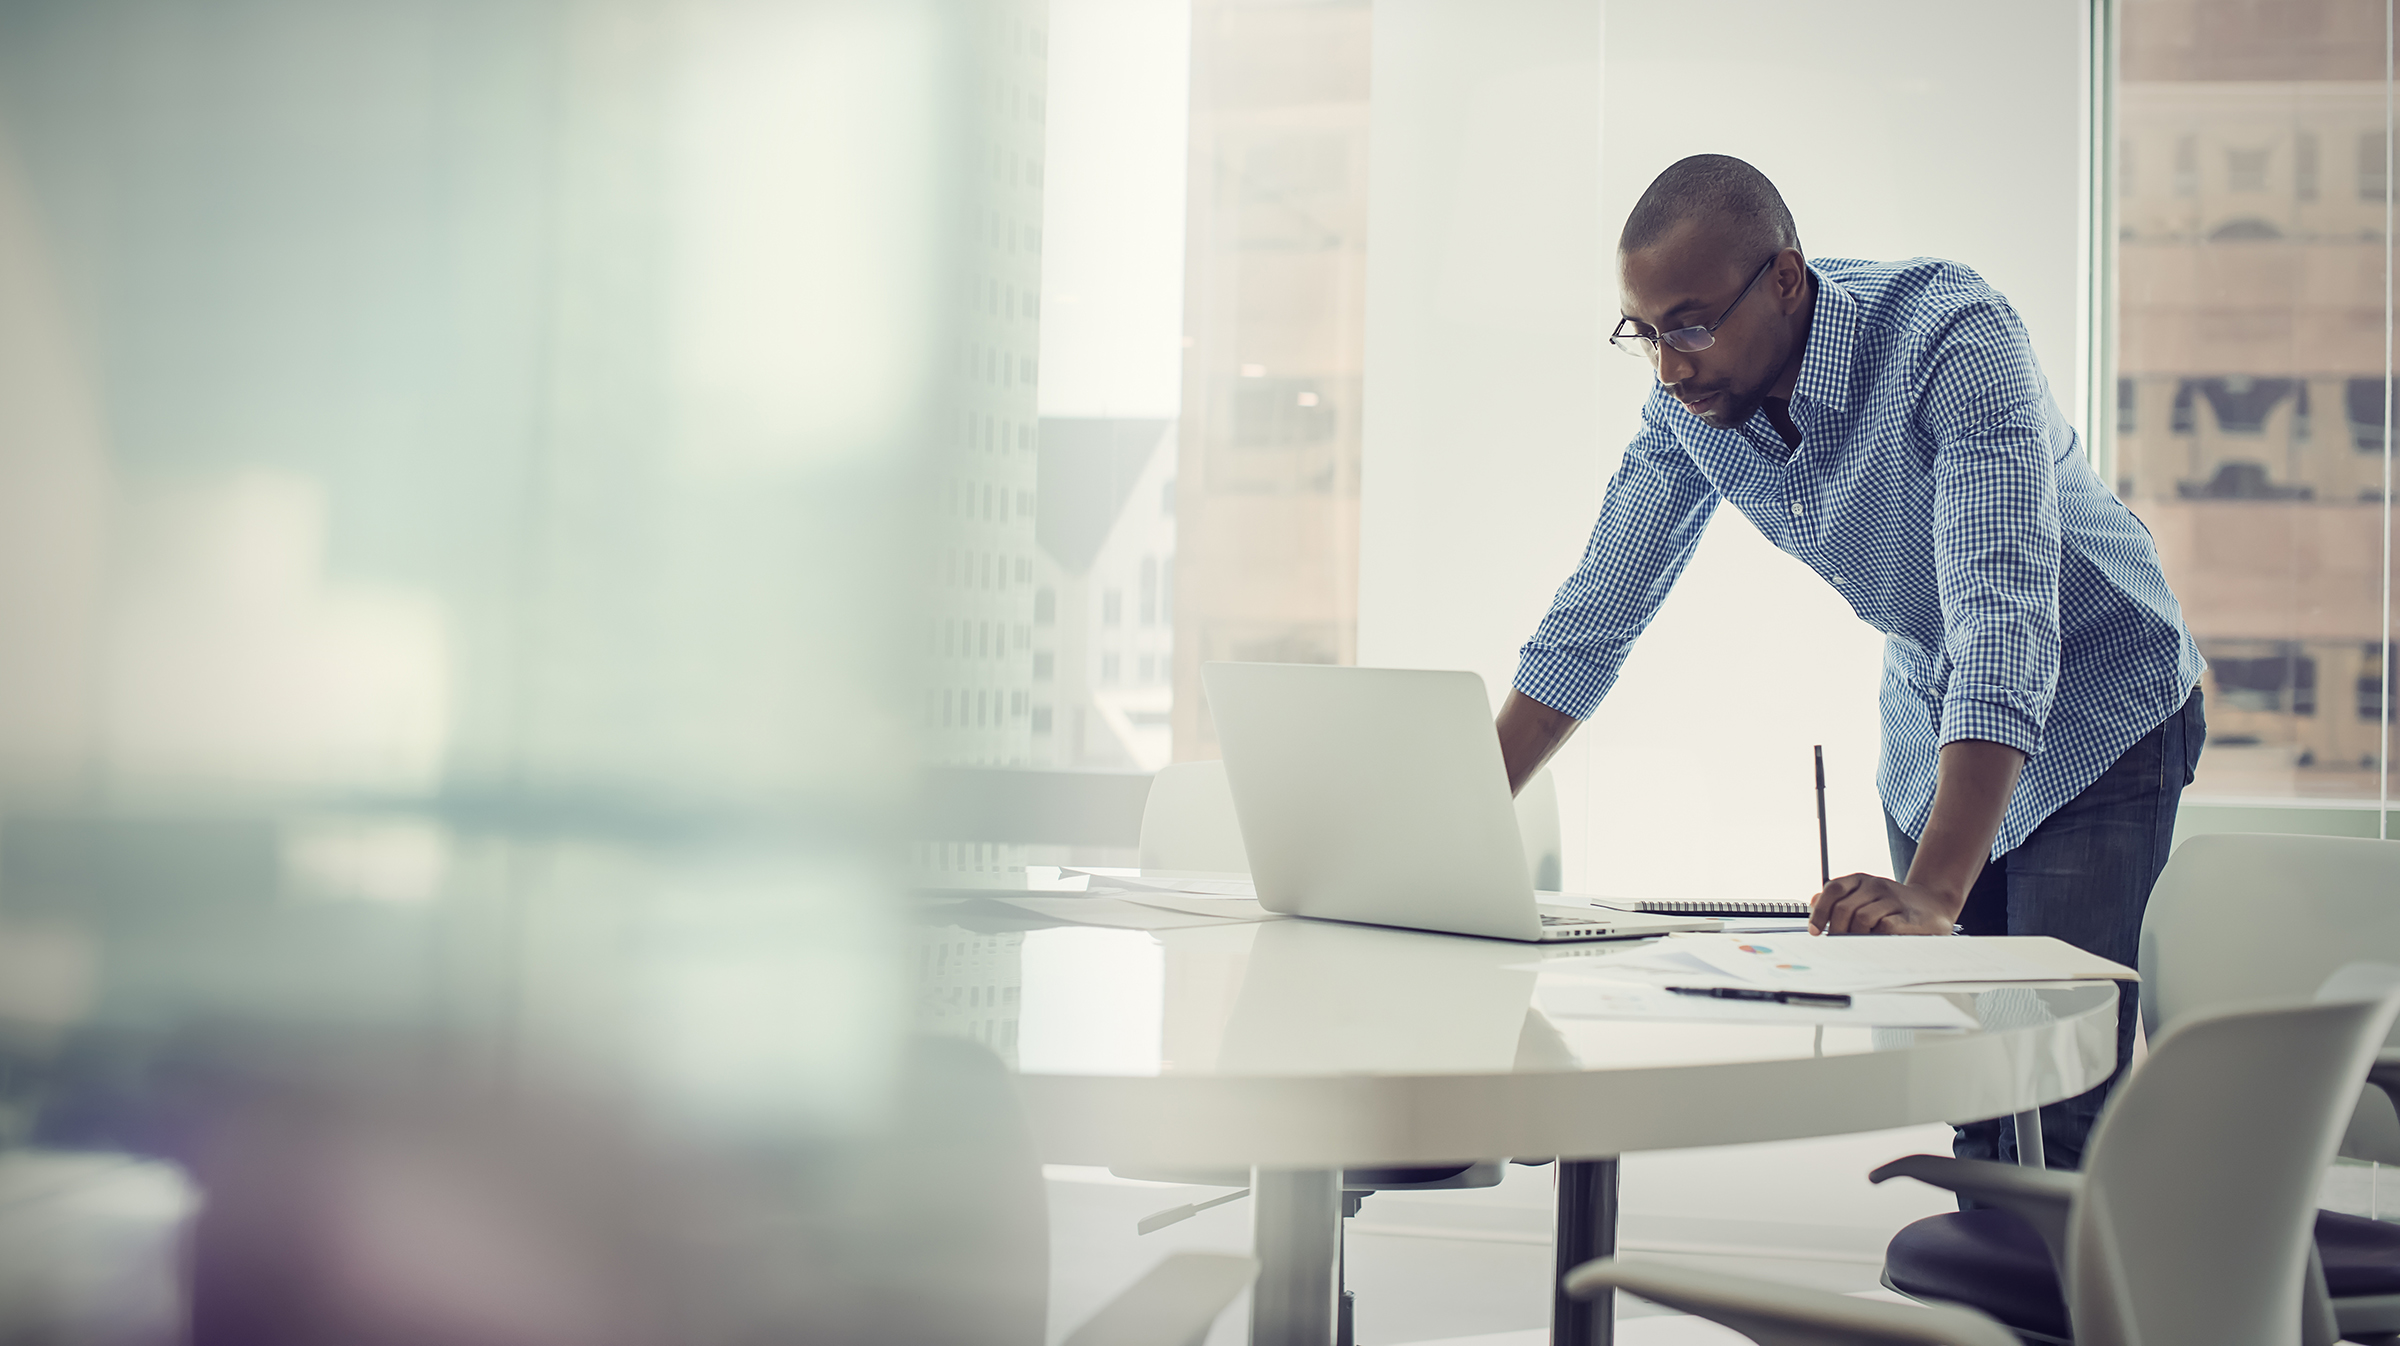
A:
2249	402
1203	293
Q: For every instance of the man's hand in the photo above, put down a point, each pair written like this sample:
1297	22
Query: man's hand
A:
1529	733
1867	904
1968	799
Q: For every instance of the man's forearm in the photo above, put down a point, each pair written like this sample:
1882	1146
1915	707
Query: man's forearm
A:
1529	733
1976	781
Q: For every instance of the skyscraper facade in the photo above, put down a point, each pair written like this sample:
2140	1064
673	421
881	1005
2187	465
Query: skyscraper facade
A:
979	645
2250	395
1274	316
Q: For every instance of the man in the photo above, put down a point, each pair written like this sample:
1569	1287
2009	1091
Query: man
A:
1886	424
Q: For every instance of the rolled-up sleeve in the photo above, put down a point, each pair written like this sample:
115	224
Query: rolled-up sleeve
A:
1995	531
1651	519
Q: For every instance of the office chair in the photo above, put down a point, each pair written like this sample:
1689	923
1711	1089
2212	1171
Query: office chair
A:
2189	1225
2233	919
1189	824
2245	916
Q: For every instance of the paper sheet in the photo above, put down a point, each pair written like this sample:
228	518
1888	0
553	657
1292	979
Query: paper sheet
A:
1190	885
1216	908
1593	999
1108	910
1866	963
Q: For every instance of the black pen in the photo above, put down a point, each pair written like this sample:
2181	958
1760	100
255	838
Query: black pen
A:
1823	999
1824	848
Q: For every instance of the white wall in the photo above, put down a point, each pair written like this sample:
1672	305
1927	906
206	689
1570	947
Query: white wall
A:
1509	142
1484	326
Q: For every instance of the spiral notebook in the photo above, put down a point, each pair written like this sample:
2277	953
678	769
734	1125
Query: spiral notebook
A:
1724	908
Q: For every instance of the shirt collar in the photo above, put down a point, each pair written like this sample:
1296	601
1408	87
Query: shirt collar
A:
1832	341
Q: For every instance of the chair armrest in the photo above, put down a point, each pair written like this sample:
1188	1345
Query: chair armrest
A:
1171	1305
1775	1314
2041	1197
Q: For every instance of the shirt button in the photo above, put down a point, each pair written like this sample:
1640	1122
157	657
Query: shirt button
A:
1795	509
1839	580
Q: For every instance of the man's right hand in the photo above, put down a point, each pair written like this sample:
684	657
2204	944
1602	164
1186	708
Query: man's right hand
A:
1529	733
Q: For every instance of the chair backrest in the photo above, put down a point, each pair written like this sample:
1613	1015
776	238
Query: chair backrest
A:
2199	1193
2248	916
1537	823
1189	824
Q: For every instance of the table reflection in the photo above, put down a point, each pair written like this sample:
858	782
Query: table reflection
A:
1298	997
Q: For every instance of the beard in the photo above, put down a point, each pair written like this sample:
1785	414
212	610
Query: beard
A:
1733	407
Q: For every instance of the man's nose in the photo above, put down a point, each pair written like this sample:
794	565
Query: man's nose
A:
1674	366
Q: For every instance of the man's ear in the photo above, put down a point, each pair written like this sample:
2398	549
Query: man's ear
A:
1791	280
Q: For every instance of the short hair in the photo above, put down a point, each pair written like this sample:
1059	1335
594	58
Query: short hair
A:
1717	187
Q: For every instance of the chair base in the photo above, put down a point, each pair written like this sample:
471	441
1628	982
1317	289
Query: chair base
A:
2024	1334
2350	1239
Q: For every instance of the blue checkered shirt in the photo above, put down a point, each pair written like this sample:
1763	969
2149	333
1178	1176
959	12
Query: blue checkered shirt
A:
1938	489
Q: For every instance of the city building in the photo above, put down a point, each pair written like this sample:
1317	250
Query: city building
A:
1103	602
1274	314
979	643
2249	429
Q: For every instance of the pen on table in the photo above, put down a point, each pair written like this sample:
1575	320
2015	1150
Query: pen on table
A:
1824	848
1826	999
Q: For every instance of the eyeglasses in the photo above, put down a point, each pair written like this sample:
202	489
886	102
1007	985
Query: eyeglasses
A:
1631	339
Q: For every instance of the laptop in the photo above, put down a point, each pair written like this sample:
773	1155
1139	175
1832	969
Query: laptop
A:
1377	795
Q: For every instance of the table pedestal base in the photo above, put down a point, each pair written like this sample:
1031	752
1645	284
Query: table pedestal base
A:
1587	1229
1298	1223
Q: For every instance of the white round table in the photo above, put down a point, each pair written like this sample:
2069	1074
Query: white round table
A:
1298	1048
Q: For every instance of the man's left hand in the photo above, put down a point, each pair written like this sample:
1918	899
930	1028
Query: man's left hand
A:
1865	904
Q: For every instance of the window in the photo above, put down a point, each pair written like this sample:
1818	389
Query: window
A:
1201	389
1273	413
1043	665
2243	404
1041	719
1045	606
2249	681
2245	229
2371	678
2269	530
2362	403
2246	170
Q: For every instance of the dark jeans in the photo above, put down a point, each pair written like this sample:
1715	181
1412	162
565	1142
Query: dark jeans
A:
2083	876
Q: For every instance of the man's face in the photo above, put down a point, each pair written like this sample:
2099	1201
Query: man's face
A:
1687	279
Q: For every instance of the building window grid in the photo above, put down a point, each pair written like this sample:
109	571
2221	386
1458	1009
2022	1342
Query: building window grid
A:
2238	445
